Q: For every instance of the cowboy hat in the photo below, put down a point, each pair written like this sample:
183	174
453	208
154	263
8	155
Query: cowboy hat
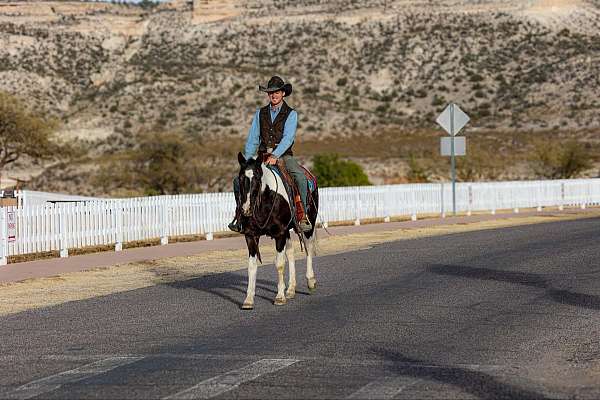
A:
275	84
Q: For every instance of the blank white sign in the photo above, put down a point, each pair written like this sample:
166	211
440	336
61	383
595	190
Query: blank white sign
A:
460	146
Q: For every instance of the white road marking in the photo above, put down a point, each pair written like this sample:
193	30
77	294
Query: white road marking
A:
223	383
384	388
54	382
240	357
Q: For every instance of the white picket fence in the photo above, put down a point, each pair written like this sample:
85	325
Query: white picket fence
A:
83	222
26	198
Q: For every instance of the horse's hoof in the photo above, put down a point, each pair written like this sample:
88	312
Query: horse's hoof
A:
280	302
312	285
312	290
247	306
290	295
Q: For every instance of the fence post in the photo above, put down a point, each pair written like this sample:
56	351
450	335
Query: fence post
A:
62	232
442	211
119	222
357	208
470	207
562	196
164	239
3	235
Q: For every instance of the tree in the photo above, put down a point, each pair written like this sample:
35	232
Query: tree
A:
162	163
555	160
23	133
331	171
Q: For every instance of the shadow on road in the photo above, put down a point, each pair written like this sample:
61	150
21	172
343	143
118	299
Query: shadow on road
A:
477	383
220	284
589	301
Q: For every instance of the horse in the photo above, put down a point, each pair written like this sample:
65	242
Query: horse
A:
266	210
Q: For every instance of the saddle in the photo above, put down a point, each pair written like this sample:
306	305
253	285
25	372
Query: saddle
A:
292	189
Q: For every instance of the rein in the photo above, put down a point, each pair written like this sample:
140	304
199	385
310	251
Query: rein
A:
258	202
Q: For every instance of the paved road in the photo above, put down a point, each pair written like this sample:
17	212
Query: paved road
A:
509	313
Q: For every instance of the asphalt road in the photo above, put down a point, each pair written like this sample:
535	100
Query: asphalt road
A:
508	313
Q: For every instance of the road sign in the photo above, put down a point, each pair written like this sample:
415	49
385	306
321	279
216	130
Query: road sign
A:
11	226
452	119
460	146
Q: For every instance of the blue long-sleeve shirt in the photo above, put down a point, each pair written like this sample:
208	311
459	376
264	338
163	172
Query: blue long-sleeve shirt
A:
289	133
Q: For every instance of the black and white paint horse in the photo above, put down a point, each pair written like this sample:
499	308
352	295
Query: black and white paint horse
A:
266	211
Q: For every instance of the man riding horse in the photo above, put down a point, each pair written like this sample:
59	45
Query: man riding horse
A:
272	133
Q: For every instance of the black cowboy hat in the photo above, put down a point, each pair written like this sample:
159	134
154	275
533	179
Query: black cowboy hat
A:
275	84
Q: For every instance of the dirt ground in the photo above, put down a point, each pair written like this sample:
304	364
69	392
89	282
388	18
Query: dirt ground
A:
44	292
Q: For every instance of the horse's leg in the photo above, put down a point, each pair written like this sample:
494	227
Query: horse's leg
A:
289	253
280	265
252	243
311	282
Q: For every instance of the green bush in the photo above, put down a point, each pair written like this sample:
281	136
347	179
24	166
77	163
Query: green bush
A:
332	171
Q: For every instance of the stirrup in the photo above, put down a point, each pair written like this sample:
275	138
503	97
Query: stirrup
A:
305	224
235	226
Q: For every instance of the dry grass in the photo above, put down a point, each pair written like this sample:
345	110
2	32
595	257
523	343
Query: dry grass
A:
44	292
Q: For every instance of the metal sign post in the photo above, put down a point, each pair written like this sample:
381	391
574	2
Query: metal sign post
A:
452	159
453	119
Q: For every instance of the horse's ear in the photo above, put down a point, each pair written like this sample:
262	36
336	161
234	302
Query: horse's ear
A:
241	159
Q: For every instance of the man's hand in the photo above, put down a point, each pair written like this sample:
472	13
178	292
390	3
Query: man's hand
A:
271	160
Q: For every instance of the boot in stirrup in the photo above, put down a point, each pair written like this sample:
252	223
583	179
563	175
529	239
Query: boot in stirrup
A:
305	224
236	224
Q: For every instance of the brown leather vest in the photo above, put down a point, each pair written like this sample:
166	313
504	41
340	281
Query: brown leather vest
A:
271	133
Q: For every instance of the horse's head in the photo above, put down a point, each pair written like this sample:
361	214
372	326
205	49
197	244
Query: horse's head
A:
250	183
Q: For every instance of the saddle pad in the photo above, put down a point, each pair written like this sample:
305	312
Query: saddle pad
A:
287	187
312	180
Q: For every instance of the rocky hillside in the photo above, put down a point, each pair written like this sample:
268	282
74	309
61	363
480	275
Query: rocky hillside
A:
377	70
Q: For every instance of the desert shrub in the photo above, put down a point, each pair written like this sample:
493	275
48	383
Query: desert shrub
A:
468	169
162	163
416	171
555	160
382	108
332	171
438	101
